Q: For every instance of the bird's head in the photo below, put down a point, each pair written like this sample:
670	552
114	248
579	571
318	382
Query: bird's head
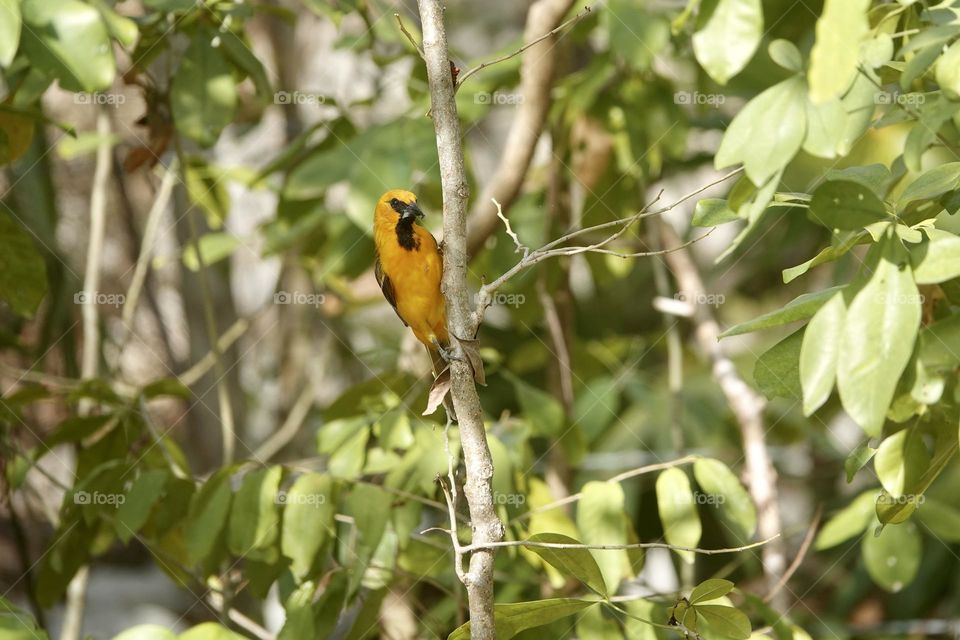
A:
398	202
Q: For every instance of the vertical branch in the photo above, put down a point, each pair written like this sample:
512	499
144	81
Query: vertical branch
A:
536	80
77	589
747	406
486	526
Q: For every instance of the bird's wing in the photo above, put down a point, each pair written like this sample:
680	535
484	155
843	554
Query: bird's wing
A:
387	287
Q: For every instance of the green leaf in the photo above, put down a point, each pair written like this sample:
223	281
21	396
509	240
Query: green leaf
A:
800	308
736	508
931	184
68	40
818	353
875	177
893	557
878	337
635	35
544	411
203	95
836	53
848	522
138	501
208	516
900	461
723	621
254	516
146	632
948	70
121	28
77	428
831	253
214	247
842	204
711	212
370	507
825	124
242	57
601	520
678	511
10	23
510	619
23	272
307	520
857	460
777	372
210	631
942	519
578	563
786	54
936	260
767	133
726	43
710	589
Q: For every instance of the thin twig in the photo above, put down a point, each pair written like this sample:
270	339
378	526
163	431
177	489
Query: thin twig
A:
90	358
279	439
626	475
520	247
489	63
403	30
192	375
612	547
550	249
160	203
798	560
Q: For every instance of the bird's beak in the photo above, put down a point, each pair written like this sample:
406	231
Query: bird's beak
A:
411	211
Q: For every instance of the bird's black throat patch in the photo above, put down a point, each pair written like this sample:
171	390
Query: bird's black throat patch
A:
405	236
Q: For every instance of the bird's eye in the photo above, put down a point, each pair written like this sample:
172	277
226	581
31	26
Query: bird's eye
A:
394	203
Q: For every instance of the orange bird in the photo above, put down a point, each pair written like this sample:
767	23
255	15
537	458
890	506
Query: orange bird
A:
409	267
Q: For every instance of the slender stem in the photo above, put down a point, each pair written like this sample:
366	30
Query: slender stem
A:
489	63
77	589
486	526
160	203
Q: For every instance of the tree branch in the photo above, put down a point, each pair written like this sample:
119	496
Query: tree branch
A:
536	80
486	526
747	405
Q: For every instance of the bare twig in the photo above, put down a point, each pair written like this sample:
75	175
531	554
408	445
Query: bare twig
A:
486	526
520	247
551	249
403	30
90	358
626	475
747	405
615	547
192	375
489	63
146	247
798	560
279	439
537	68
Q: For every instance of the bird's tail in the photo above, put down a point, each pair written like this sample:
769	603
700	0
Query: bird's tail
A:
440	368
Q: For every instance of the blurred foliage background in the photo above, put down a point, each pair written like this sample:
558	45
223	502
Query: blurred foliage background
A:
226	429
